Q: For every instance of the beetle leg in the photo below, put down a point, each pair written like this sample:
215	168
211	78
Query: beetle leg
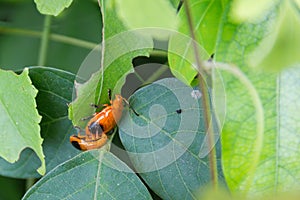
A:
109	94
79	130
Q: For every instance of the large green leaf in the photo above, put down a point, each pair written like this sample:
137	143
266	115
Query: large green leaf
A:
19	119
165	142
67	53
288	131
47	7
55	92
206	18
90	175
250	162
115	59
252	165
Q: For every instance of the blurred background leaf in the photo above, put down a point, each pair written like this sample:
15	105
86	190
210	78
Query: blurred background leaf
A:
52	7
19	49
206	19
281	48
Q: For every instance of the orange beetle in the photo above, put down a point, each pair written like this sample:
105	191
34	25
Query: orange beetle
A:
84	143
101	124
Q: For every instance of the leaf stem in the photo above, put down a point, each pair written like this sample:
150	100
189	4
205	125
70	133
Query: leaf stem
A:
156	74
45	41
52	36
205	100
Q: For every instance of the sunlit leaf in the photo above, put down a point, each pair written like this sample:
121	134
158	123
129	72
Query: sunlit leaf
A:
281	48
55	92
206	18
239	137
247	10
120	47
19	118
50	7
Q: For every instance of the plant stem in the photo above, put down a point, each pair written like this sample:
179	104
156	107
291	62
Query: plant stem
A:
52	36
29	183
158	53
45	41
139	77
156	74
205	100
258	145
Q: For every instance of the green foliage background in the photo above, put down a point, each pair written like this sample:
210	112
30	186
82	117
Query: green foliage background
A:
256	53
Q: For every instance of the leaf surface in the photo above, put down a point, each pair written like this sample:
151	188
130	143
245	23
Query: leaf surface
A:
90	175
206	18
280	49
55	92
159	14
163	143
240	148
19	118
49	7
119	49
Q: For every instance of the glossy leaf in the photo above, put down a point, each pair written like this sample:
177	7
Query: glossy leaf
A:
164	142
206	18
90	175
48	7
120	48
20	128
55	92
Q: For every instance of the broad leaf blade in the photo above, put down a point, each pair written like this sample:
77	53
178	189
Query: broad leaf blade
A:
20	127
49	7
90	175
120	47
164	144
288	152
239	132
55	92
206	18
239	135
